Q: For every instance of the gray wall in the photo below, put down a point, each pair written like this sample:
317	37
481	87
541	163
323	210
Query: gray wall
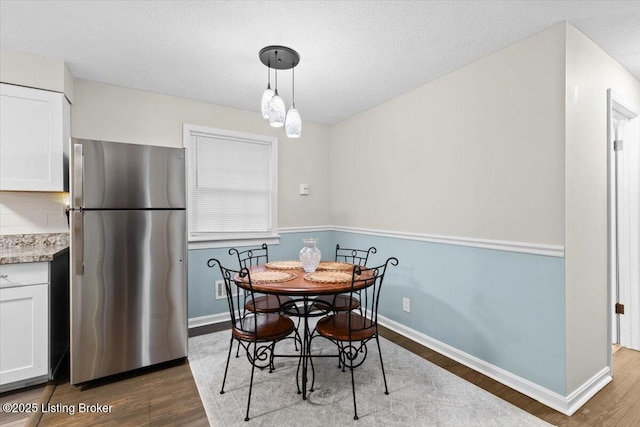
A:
478	153
114	113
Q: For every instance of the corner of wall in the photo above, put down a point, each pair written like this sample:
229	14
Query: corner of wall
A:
68	84
590	72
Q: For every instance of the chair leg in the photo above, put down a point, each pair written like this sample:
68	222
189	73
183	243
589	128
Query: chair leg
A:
238	351
227	367
353	387
384	377
253	367
298	374
313	369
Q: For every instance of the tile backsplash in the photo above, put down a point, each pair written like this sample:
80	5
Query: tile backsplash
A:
33	212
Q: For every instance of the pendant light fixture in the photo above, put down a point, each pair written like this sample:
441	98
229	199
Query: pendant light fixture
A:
272	106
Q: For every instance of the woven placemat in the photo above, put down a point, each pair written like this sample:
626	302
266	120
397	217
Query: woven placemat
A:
272	276
337	266
329	276
284	265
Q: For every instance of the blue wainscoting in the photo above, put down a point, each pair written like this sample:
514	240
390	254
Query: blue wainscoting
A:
202	279
505	308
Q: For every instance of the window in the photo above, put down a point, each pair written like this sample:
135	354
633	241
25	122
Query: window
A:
232	186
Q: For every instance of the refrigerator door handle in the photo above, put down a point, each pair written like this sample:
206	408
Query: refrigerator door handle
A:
78	241
78	171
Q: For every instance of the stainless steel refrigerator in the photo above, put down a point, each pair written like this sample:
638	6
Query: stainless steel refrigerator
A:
128	257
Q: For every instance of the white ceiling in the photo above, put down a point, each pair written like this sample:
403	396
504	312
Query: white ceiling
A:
354	54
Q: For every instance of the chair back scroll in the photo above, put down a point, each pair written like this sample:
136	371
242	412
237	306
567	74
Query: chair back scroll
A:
354	256
366	282
252	256
245	324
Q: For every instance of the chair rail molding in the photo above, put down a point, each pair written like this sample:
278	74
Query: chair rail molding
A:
306	229
500	245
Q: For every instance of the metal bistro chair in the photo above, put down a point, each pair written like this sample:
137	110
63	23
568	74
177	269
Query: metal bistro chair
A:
265	303
343	302
351	331
257	333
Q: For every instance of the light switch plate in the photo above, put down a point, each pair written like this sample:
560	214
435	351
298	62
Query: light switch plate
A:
304	189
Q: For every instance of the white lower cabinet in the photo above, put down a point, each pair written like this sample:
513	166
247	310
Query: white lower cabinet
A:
24	323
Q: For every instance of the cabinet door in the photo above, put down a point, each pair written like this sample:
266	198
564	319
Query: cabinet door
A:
33	124
24	342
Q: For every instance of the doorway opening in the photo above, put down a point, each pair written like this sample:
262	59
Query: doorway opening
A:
624	217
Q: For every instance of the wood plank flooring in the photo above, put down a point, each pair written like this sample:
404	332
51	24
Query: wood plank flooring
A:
167	395
29	395
617	404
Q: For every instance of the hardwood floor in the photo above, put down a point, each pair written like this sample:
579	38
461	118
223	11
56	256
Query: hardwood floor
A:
167	395
158	396
29	395
617	404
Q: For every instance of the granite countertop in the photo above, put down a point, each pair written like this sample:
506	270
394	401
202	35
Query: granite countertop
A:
18	248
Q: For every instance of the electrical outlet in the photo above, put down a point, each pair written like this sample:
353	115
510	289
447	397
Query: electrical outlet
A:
406	304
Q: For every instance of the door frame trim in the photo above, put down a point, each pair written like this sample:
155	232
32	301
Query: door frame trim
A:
617	103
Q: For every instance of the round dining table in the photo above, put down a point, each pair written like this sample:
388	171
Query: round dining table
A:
303	284
287	278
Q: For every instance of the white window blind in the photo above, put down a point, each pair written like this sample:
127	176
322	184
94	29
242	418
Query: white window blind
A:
232	185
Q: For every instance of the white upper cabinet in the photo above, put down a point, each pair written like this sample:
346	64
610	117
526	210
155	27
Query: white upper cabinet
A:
34	133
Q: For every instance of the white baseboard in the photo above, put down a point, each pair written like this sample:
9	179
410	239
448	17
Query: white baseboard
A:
587	390
567	405
211	319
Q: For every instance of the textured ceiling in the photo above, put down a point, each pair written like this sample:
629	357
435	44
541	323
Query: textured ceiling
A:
354	54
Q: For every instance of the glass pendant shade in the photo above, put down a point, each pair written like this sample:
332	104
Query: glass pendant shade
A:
276	111
264	105
293	124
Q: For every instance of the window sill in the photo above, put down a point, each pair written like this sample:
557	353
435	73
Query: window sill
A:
232	242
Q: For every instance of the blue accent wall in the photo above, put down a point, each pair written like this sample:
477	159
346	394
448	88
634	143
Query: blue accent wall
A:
201	294
505	308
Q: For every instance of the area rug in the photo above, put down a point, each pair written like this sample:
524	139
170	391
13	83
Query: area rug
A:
420	393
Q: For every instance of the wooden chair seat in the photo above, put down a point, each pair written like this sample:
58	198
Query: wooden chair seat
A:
339	302
266	304
336	327
270	327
